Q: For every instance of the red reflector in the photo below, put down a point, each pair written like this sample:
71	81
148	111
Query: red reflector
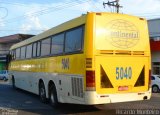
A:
123	88
90	78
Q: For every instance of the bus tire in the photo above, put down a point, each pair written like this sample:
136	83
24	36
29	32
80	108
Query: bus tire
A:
13	83
53	97
42	92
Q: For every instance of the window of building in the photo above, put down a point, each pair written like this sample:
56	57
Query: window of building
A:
73	40
156	63
29	51
45	47
23	52
17	53
57	44
156	68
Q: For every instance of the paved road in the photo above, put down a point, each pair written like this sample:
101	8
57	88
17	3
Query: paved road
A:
18	102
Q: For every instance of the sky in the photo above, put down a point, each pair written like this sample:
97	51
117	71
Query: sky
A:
36	16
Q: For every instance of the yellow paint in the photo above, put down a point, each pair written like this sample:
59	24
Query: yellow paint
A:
118	39
136	63
76	65
107	38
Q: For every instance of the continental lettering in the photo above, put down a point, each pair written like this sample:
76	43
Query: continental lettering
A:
121	34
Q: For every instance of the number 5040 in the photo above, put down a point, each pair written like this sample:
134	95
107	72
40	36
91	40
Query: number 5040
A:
122	73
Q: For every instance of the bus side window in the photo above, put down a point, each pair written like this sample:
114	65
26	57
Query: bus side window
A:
45	46
73	40
12	54
23	52
57	44
38	48
17	52
34	49
29	51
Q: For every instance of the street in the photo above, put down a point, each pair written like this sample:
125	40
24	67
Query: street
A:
19	102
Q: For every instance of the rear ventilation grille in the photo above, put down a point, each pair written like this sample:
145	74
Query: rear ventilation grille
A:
121	52
77	87
141	80
105	82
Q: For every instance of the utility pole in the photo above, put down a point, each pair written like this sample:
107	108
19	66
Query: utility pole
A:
113	4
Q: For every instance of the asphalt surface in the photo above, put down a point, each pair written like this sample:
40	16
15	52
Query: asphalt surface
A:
19	102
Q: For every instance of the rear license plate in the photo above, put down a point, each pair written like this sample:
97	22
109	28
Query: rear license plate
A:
123	88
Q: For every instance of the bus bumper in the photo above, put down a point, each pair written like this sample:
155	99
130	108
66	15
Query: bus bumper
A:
91	97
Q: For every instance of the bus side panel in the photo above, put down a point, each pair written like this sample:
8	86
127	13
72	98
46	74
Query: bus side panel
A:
67	73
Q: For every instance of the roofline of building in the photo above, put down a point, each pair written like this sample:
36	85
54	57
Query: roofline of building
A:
14	35
14	38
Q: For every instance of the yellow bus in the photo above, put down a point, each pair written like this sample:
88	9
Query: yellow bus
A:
97	58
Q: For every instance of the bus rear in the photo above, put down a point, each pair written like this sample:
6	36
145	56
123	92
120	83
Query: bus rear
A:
120	61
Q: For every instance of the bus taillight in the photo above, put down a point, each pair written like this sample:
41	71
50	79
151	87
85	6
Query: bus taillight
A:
90	80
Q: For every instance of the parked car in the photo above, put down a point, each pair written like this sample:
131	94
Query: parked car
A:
4	75
155	79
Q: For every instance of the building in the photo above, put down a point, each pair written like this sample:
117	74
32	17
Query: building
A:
5	43
154	31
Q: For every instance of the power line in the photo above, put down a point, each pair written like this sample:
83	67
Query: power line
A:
38	13
17	4
44	11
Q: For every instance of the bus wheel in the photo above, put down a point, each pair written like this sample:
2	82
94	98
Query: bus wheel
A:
53	97
155	89
42	92
13	83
